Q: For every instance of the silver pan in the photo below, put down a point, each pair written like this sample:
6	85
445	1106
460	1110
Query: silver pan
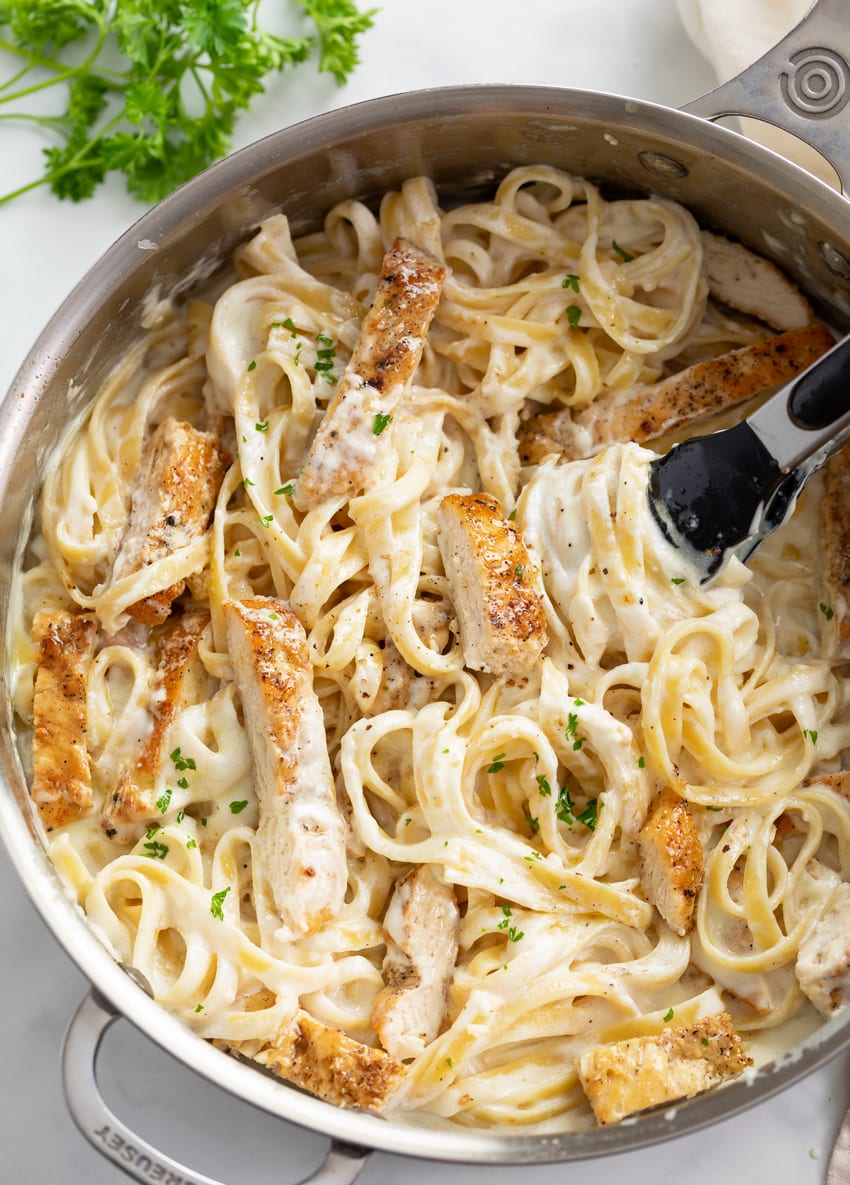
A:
465	139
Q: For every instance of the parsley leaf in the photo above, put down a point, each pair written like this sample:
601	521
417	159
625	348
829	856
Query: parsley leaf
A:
571	281
236	808
217	902
380	423
626	256
564	806
573	314
826	611
496	764
153	90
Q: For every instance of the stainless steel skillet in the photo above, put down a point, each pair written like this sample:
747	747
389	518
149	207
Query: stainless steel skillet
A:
465	138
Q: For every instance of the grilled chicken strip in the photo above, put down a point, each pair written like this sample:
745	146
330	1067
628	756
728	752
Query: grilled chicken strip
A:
647	411
672	860
751	284
629	1076
333	1066
181	680
301	836
174	496
357	426
61	784
835	549
495	587
421	928
823	960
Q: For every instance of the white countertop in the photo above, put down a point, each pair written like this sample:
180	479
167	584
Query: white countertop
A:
629	46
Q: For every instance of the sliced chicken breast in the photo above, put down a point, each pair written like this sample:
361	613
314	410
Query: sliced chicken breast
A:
647	411
671	860
357	426
495	587
630	1076
61	785
301	835
173	498
181	680
823	960
752	285
335	1067
421	927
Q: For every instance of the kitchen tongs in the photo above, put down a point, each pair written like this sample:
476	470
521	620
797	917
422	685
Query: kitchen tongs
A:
721	495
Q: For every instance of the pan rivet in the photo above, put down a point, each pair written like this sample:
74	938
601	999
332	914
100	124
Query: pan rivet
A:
662	166
837	263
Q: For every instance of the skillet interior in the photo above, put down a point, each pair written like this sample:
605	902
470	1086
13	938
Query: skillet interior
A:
465	139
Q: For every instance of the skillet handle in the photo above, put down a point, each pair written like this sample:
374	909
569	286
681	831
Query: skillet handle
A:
118	1143
801	85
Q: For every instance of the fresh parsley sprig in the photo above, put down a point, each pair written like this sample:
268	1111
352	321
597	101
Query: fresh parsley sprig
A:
152	90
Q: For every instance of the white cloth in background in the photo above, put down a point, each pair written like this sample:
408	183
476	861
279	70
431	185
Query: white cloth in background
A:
732	34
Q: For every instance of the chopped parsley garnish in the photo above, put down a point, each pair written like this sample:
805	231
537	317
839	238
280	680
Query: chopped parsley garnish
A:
812	734
543	783
668	1015
217	902
704	1040
589	815
641	763
535	855
182	762
512	516
573	314
288	490
183	783
199	1008
570	731
191	843
156	850
382	419
449	1062
252	365
571	281
514	935
151	831
826	611
497	763
713	808
203	822
264	427
162	803
626	256
237	552
564	806
533	823
677	580
181	815
518	571
236	808
291	326
246	481
266	519
325	356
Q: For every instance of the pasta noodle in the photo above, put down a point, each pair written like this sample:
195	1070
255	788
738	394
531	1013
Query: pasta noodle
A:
527	795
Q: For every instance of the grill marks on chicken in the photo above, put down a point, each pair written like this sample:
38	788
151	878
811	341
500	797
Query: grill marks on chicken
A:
173	498
301	837
646	411
356	430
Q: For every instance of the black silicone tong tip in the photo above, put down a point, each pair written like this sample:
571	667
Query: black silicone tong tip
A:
709	493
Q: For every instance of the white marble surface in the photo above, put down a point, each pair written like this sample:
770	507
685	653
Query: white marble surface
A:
628	46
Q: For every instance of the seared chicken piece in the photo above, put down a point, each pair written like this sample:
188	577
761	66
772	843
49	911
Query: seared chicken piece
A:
335	1067
753	285
672	860
644	412
835	549
823	960
173	498
61	784
181	680
301	836
839	782
642	1072
495	588
421	928
357	426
